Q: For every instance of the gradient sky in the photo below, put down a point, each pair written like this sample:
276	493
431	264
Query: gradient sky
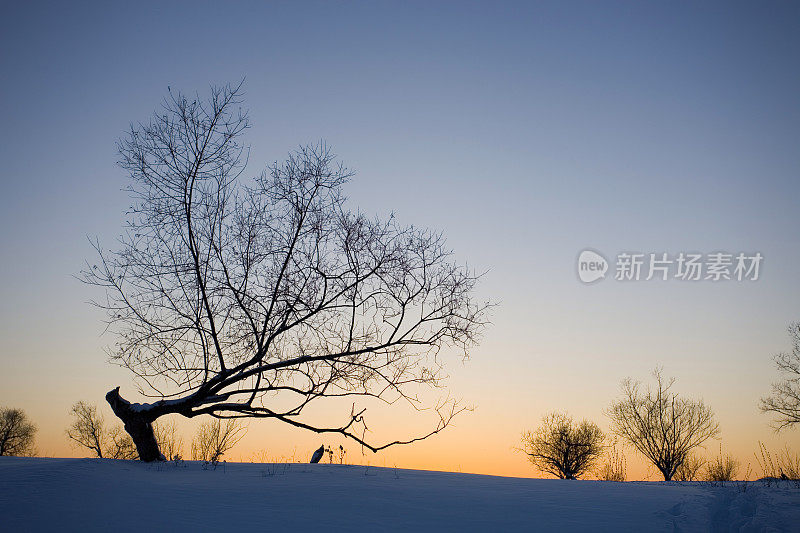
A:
525	131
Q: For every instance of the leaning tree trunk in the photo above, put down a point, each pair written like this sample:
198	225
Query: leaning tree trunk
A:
138	426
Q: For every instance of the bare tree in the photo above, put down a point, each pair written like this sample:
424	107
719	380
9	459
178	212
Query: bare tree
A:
563	447
169	441
214	438
120	445
664	427
17	433
87	428
785	399
690	468
259	300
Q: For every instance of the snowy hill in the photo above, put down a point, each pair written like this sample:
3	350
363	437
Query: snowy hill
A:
107	495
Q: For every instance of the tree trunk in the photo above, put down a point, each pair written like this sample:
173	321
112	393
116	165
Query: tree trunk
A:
138	426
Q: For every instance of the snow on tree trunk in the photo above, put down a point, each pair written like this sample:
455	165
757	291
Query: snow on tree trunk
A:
138	426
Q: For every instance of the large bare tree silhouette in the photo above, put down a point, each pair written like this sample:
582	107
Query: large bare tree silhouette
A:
262	299
784	402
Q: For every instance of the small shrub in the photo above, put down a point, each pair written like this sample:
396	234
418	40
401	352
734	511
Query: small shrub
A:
260	456
215	438
722	468
563	447
275	466
690	469
170	443
614	468
790	465
782	466
120	445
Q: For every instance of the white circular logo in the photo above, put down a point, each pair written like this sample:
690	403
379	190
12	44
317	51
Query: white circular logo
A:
591	266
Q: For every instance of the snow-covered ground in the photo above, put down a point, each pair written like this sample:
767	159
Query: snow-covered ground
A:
107	495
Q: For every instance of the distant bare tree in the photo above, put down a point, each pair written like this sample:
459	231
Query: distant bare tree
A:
259	300
690	468
87	428
214	438
17	433
664	427
785	399
169	442
563	447
120	445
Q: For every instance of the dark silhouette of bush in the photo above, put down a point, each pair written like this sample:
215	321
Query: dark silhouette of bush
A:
17	433
562	447
661	425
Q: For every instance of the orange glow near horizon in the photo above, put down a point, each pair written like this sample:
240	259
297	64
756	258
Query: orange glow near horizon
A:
447	452
481	442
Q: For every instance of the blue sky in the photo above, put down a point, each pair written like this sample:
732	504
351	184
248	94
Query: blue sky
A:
526	132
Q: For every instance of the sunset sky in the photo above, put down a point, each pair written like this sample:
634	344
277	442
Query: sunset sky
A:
526	132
